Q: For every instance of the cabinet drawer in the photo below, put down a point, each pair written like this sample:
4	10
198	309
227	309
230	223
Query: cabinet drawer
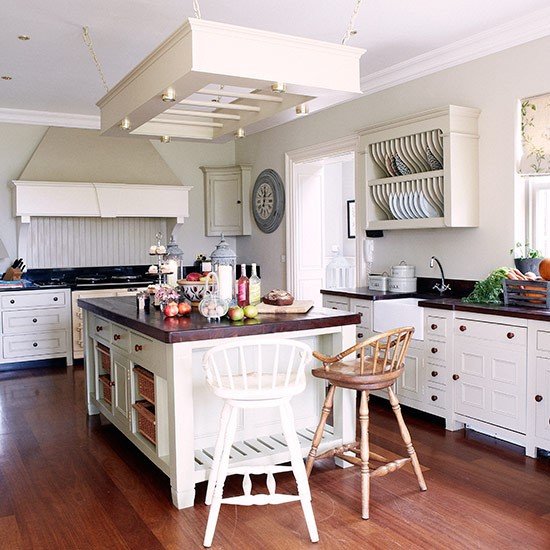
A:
146	352
33	345
494	332
364	312
16	322
436	373
100	328
120	337
436	351
436	326
33	299
336	303
437	397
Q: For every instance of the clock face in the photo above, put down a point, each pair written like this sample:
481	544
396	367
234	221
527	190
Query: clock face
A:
268	201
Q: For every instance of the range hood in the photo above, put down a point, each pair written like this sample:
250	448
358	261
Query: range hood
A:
208	81
78	173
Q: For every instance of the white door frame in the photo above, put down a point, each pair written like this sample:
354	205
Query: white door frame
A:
348	144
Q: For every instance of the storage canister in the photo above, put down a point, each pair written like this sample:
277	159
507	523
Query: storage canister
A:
402	284
379	282
403	270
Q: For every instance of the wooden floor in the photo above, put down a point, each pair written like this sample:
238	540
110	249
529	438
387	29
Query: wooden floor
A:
67	481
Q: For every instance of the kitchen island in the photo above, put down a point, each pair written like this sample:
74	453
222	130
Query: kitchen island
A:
144	374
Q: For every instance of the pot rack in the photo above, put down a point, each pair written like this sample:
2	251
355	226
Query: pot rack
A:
209	81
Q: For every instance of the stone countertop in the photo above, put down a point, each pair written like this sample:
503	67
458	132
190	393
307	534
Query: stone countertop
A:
364	293
123	310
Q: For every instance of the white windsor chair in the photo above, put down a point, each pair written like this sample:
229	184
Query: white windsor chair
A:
250	374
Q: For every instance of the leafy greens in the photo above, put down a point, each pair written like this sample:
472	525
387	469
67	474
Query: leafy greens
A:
488	291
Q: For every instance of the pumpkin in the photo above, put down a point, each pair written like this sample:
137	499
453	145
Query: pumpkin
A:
544	269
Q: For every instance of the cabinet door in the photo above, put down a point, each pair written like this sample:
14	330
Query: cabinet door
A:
542	398
120	375
490	383
224	204
411	383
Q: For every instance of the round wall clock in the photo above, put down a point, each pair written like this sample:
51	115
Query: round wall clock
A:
268	201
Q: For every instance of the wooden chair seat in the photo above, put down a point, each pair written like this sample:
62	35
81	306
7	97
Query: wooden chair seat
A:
347	374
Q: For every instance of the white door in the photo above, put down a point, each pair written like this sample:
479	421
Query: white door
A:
308	239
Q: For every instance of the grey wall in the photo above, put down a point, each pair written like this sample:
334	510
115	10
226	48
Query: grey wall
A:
493	84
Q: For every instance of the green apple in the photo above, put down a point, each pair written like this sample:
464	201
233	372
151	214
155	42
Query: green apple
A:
250	312
235	313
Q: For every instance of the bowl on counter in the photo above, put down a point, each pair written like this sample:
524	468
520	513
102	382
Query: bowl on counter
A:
192	290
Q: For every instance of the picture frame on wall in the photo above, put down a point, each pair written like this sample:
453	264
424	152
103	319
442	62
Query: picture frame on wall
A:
351	219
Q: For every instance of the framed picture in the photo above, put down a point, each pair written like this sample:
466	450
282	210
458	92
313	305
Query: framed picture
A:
351	219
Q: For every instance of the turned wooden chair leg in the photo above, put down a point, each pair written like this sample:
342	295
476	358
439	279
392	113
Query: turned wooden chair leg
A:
327	407
406	436
364	448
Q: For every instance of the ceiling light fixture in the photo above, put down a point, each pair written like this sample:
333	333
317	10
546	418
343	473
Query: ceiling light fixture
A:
278	87
125	124
24	37
165	139
259	69
169	95
302	109
6	77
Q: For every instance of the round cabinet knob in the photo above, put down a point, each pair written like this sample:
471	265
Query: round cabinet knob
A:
12	301
434	373
434	326
456	376
538	398
434	397
35	320
434	350
111	383
137	347
55	298
116	337
360	335
510	335
35	344
462	328
238	202
360	313
333	307
98	328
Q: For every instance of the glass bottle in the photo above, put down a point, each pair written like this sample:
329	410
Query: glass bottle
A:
243	287
254	287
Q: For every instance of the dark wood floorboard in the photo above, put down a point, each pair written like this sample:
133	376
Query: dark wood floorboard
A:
70	481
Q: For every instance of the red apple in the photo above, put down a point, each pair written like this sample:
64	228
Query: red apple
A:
193	277
184	308
235	313
170	309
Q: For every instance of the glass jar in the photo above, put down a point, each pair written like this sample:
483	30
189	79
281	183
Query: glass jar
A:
224	265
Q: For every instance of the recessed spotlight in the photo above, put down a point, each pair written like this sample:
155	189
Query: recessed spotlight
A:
302	109
278	87
125	124
240	133
24	37
165	139
6	77
169	95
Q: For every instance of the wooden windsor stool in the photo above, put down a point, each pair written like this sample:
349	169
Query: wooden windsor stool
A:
365	373
254	374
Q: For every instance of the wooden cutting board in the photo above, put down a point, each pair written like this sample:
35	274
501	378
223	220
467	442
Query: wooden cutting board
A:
299	306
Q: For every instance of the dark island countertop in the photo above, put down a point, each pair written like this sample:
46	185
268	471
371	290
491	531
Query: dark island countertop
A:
123	310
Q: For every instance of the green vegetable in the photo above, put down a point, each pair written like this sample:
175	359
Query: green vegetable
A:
488	291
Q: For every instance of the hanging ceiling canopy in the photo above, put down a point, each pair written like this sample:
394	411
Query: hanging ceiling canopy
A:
208	81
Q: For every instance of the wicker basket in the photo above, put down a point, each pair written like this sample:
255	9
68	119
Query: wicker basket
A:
105	357
146	420
146	383
105	380
527	293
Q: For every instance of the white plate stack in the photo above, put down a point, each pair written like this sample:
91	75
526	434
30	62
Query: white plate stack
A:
403	278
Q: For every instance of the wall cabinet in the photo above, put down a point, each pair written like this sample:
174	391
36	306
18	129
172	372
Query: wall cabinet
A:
227	200
34	325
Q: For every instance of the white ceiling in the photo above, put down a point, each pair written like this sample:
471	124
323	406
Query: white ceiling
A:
54	72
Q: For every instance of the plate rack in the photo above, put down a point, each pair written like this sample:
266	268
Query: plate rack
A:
422	170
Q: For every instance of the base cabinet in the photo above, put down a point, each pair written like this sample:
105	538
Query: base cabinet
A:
121	394
542	401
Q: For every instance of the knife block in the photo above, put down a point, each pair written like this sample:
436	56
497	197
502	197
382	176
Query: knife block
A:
12	274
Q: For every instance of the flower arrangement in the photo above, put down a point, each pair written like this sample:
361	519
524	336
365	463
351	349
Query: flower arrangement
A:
166	294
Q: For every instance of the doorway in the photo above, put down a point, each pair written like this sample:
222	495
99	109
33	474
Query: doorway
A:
320	219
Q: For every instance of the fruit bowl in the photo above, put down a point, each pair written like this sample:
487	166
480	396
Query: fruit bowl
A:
192	290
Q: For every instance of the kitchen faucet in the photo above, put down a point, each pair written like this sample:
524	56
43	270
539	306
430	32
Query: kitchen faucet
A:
441	288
